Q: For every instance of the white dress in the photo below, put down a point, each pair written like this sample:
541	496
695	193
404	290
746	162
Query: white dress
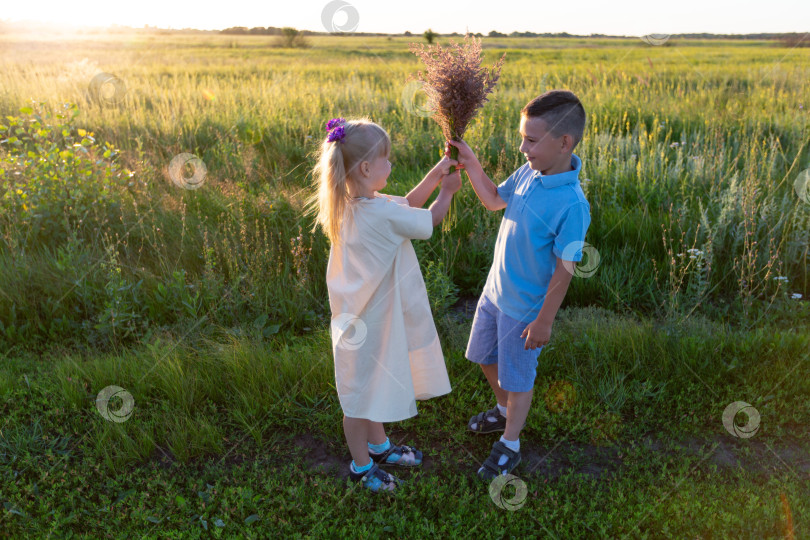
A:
386	349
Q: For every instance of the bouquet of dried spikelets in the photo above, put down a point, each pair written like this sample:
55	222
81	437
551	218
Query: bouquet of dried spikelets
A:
456	84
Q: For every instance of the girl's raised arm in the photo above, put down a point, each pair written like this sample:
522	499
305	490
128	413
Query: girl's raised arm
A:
419	195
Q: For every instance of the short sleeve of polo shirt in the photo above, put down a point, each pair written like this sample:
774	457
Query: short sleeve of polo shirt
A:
407	222
570	233
507	187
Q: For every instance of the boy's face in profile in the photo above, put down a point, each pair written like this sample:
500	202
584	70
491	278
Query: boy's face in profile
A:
544	152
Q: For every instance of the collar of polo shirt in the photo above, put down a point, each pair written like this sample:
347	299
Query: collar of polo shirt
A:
555	180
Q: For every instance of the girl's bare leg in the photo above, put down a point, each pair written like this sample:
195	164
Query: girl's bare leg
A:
376	433
357	433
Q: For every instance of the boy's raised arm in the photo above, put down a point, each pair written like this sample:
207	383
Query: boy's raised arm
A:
486	190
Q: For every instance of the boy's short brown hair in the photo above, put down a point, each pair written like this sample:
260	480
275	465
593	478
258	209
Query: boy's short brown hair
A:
561	110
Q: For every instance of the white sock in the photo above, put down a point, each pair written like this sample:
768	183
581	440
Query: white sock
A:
511	445
502	408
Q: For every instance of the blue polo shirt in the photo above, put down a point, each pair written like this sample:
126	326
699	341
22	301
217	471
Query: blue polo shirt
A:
546	217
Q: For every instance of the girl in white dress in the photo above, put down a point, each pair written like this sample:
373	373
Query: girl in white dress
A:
386	349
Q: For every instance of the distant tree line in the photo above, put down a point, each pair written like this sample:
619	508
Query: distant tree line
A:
789	39
792	38
258	30
274	31
796	40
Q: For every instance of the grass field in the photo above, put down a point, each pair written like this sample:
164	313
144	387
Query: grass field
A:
208	306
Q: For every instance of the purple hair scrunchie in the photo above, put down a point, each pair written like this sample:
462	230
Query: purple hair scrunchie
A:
336	131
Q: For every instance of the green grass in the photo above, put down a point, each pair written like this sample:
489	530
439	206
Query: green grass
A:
704	139
209	307
256	427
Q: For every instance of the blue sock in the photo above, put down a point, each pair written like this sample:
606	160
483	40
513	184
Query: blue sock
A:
379	448
364	468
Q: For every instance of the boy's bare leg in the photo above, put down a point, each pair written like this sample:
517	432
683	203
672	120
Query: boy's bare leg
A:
517	409
491	373
357	433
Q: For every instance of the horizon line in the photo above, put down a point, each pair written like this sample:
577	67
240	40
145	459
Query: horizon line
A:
31	24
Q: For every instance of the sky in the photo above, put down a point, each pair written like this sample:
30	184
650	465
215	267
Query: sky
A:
613	17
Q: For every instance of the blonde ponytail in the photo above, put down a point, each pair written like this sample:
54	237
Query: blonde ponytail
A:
363	141
332	191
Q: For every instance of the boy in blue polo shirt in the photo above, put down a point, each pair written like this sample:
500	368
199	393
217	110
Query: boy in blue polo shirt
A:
540	239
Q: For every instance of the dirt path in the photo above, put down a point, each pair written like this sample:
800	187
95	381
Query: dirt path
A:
599	461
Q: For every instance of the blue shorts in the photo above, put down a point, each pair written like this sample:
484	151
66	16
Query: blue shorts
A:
495	338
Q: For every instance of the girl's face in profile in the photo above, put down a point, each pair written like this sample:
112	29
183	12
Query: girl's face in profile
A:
372	175
380	170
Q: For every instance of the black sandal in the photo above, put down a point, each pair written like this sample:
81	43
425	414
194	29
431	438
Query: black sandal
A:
491	469
402	456
375	479
483	424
